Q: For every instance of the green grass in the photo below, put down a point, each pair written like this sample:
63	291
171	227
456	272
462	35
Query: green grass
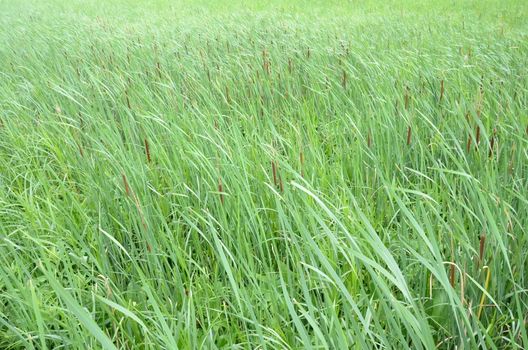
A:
263	175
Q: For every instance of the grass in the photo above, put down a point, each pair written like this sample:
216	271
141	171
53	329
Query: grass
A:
263	175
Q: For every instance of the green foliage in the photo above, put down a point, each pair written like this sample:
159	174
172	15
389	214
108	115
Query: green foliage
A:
263	174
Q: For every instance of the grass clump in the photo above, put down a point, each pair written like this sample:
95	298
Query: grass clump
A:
308	175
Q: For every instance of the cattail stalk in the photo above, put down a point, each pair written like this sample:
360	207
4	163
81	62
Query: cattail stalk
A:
483	298
409	135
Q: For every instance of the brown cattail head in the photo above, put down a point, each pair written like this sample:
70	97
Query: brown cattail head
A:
369	139
281	186
477	137
127	99
408	135
158	69
441	90
147	150
344	79
265	62
125	182
492	142
221	190
481	248
468	146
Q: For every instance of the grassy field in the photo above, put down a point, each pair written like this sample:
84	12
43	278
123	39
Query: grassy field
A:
263	175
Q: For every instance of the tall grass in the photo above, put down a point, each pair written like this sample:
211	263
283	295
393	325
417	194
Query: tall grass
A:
264	175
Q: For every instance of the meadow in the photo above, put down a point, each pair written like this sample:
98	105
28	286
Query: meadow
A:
263	174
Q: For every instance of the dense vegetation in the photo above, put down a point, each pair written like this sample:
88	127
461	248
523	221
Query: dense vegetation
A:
263	175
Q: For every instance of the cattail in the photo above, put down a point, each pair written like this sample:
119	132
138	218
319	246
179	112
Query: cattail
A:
274	171
408	135
127	187
468	146
127	99
441	90
265	61
369	139
228	98
221	190
344	79
492	143
147	150
477	138
280	184
481	250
